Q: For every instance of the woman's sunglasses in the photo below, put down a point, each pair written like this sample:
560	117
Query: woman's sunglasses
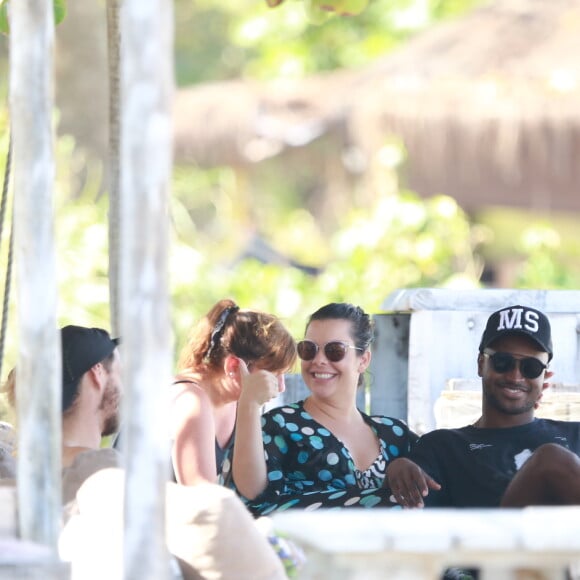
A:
503	362
334	350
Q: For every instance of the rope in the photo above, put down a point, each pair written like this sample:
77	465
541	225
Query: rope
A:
114	169
8	279
6	301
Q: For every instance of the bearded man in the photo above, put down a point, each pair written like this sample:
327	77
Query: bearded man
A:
91	394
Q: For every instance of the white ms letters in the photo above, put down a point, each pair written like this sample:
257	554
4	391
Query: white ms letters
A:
512	319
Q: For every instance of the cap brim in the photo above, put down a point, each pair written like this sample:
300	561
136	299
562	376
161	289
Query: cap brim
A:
510	332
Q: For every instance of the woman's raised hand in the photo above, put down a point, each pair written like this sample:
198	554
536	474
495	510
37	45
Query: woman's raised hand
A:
259	386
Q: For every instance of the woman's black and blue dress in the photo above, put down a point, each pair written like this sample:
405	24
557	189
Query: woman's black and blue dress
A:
309	468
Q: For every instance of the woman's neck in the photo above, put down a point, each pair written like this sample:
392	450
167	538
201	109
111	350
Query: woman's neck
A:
318	408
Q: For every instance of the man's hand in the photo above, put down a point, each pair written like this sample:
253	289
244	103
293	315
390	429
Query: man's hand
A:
409	484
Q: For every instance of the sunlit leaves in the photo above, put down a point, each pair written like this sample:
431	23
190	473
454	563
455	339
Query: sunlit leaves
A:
400	241
338	7
4	25
545	270
247	38
59	10
59	7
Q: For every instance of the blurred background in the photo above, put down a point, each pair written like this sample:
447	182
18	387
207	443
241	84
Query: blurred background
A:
318	157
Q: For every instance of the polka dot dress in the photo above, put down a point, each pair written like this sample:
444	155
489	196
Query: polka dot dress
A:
309	468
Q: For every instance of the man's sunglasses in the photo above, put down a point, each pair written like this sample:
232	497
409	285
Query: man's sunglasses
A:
503	362
334	351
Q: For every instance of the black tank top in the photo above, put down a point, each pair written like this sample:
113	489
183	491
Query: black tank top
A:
220	452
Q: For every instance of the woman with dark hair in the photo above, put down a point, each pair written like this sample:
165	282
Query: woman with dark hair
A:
323	451
229	351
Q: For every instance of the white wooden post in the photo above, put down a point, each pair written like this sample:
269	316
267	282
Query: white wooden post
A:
39	382
146	147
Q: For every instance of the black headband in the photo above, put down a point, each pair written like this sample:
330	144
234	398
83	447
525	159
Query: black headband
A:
218	330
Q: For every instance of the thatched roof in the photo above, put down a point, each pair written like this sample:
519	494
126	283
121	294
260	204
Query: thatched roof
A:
243	122
488	107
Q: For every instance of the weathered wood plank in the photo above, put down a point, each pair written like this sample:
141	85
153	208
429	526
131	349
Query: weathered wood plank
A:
22	560
39	385
146	154
413	299
419	544
8	509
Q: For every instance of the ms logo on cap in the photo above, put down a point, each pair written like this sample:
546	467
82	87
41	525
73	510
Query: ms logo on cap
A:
519	319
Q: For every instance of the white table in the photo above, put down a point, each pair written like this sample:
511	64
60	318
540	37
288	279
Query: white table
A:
537	543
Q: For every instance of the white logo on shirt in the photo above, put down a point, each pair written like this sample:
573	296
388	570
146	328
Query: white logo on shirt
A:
521	458
476	446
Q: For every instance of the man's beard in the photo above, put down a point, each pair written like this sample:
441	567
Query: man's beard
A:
494	402
111	425
110	404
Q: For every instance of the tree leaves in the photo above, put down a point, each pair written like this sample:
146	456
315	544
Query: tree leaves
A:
59	11
4	25
319	9
59	7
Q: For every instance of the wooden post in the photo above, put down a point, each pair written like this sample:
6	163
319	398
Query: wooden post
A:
39	373
146	154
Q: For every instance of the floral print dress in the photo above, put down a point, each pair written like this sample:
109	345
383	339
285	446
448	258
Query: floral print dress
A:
309	468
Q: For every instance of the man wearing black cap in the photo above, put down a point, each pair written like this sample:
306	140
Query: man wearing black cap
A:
507	457
91	392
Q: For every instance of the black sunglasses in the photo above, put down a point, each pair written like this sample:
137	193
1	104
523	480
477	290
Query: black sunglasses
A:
504	362
334	350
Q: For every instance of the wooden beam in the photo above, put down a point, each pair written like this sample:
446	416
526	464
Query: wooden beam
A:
39	372
510	544
146	144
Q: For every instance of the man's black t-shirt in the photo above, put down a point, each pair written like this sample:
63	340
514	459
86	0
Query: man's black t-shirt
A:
474	466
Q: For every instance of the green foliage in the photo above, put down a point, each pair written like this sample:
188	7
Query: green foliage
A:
400	241
59	8
4	24
397	240
548	263
59	11
337	7
541	251
81	245
245	38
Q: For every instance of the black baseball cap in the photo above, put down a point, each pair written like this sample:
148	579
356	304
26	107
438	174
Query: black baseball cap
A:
82	348
519	320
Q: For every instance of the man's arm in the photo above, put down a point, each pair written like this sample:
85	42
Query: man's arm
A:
551	476
409	483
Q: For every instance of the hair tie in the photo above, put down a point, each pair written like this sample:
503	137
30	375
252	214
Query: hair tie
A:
218	329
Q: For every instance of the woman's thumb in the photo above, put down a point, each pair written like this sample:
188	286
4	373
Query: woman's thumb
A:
243	367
